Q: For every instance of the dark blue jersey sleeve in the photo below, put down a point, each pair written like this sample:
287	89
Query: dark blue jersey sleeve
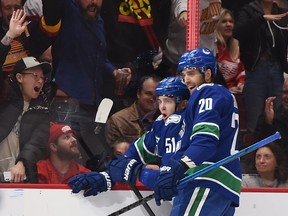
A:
211	124
144	148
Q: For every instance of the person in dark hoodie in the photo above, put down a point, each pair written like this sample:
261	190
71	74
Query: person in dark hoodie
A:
263	48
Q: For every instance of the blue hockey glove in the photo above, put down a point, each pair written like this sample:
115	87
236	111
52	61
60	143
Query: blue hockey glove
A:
124	169
166	184
148	177
92	182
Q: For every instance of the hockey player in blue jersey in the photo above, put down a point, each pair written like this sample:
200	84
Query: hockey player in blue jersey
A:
211	129
161	142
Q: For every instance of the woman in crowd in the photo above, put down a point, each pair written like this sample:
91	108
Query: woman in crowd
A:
269	168
228	56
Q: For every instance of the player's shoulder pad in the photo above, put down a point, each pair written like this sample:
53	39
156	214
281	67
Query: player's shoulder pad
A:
174	118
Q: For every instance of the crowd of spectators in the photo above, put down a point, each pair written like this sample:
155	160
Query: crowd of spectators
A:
59	58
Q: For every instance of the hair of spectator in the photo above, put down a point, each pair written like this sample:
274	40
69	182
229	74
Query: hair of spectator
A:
281	172
119	140
154	77
232	44
22	2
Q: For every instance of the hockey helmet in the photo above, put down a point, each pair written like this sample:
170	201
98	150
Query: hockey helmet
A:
201	58
173	87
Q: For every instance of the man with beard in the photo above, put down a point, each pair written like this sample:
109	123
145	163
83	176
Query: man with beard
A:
79	62
63	149
210	129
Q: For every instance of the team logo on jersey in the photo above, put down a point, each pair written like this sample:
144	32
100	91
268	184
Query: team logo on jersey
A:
206	51
174	118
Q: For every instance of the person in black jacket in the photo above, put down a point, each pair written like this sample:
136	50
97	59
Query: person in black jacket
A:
263	49
24	120
275	120
24	115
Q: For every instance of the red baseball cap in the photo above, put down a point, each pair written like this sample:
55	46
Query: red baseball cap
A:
57	130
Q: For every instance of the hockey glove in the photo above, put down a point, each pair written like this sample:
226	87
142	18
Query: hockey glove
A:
166	184
124	169
92	182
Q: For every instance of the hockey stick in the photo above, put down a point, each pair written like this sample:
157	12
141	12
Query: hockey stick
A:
231	157
139	196
100	119
226	160
102	114
133	205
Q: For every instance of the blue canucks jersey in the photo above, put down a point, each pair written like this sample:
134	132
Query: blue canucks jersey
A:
163	141
211	134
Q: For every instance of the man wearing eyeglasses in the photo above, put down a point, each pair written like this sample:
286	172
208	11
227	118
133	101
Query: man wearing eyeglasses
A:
24	119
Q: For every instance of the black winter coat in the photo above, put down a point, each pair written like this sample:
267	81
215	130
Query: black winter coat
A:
252	31
34	126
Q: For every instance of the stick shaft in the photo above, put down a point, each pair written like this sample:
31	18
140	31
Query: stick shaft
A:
232	157
133	205
139	196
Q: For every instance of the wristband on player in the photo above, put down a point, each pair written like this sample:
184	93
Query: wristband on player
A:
188	162
148	177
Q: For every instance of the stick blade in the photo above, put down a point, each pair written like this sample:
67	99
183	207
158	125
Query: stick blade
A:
103	110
